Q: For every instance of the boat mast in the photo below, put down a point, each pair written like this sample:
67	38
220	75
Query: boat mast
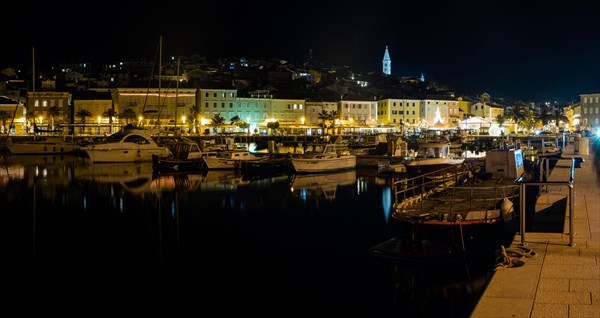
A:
177	95
159	80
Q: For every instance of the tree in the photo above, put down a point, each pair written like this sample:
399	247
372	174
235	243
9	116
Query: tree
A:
4	115
273	125
501	119
558	116
324	117
54	113
217	120
545	114
30	119
129	115
333	116
83	114
193	112
515	115
234	120
110	113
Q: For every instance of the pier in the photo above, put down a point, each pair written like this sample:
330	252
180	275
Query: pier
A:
563	278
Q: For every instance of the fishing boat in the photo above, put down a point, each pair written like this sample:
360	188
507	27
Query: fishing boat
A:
431	156
230	159
323	158
187	156
130	144
387	154
463	214
50	145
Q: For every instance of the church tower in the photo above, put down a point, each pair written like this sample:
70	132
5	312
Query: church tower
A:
387	62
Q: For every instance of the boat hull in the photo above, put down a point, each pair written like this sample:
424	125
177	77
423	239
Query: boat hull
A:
123	153
315	165
42	148
418	167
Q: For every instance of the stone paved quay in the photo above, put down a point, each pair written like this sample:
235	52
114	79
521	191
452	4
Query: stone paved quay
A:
561	280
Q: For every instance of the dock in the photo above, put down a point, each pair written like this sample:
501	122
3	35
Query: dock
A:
562	279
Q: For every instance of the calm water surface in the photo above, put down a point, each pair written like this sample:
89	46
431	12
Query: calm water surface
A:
112	231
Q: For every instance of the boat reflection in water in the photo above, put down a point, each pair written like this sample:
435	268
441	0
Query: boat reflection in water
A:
322	184
214	237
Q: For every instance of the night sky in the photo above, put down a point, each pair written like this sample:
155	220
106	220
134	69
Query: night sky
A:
536	51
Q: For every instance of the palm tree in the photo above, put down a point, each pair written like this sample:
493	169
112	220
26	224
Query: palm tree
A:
545	114
217	120
193	112
529	120
54	112
83	114
110	113
501	119
4	115
324	117
30	119
559	116
129	115
515	115
333	116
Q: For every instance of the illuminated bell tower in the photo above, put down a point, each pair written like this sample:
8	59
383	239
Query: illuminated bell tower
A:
387	62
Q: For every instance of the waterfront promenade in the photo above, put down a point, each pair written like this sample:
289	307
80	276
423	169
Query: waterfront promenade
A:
561	280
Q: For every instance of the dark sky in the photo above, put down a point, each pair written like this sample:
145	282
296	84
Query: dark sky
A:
528	50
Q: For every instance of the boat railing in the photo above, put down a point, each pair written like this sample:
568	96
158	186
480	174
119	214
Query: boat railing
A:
411	190
460	198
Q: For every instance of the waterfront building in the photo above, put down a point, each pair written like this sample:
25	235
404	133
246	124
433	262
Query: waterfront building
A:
590	112
399	111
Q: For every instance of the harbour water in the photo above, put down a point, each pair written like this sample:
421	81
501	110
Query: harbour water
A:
114	231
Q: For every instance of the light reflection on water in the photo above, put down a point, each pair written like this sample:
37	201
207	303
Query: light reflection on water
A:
281	240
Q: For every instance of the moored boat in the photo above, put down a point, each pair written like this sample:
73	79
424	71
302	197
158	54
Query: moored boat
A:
431	156
50	145
130	144
465	212
230	159
187	156
323	158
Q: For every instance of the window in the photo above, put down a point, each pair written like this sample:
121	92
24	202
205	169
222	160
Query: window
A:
223	95
215	94
205	104
45	103
206	94
230	105
215	105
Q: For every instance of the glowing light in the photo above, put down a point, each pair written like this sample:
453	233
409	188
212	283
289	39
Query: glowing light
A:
183	119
